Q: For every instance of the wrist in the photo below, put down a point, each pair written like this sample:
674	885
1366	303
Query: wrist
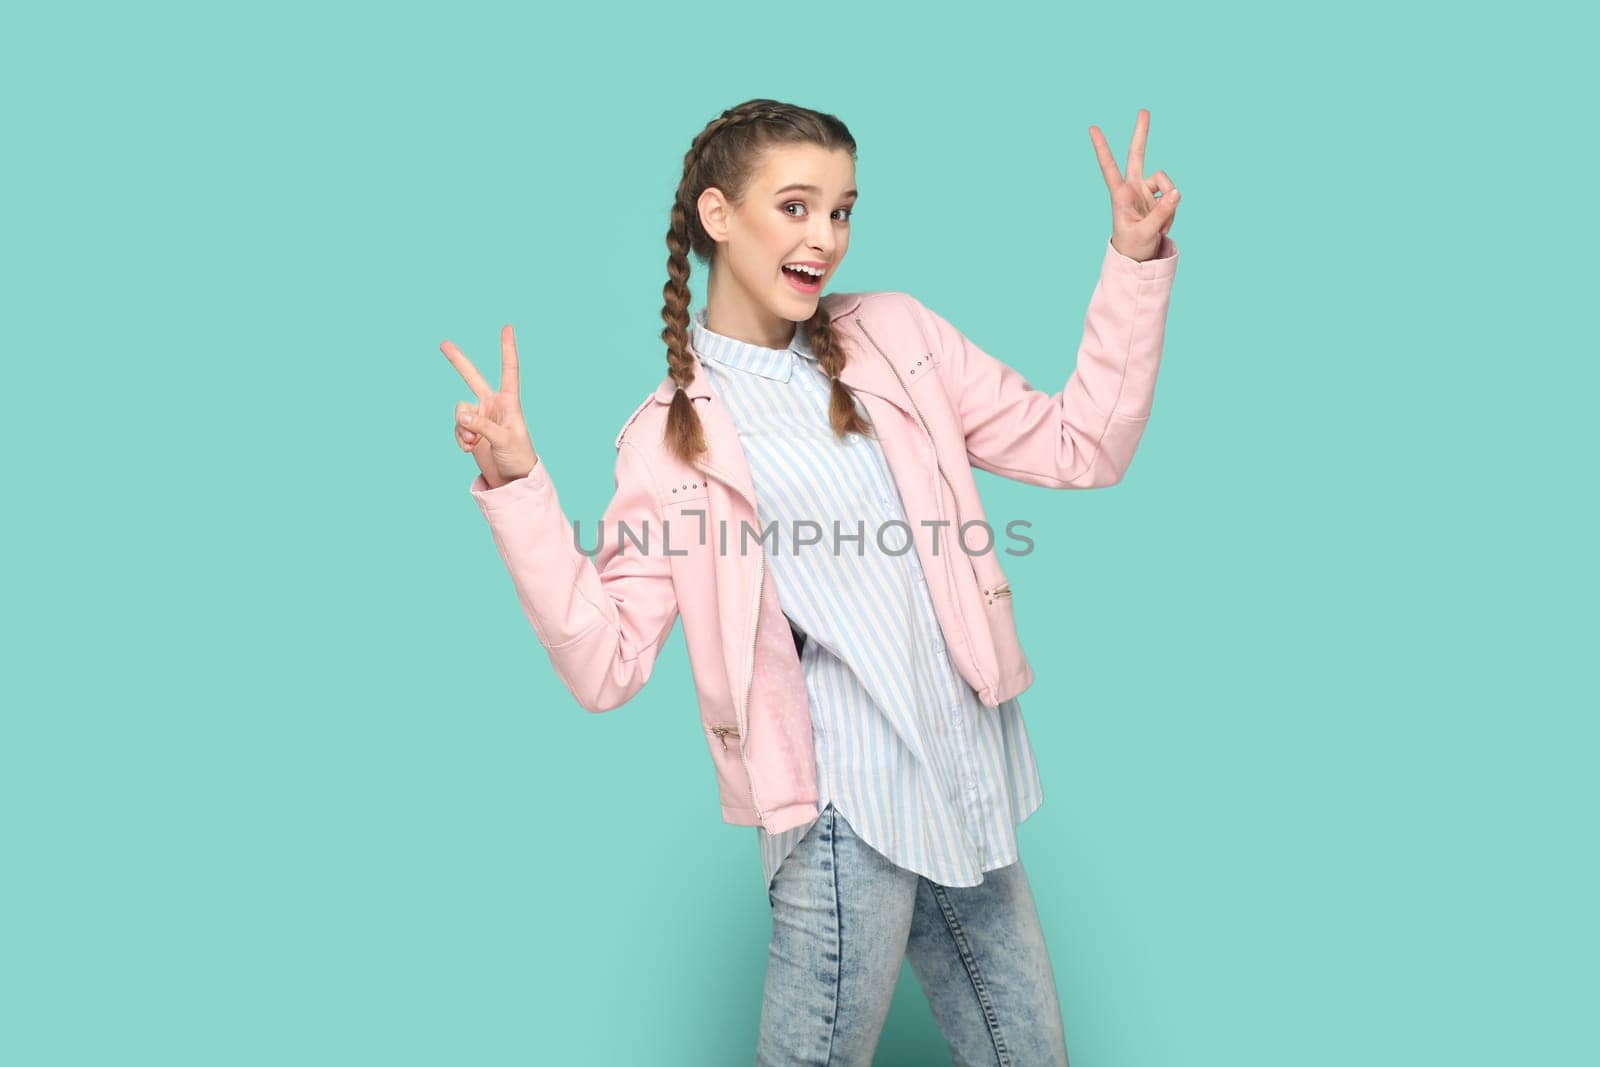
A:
522	474
1139	254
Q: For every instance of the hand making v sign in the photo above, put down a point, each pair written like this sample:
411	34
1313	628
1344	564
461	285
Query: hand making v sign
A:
1138	219
492	429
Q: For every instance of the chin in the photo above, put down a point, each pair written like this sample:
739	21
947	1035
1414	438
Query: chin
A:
800	300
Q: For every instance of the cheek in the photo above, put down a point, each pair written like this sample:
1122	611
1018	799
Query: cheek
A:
767	249
755	263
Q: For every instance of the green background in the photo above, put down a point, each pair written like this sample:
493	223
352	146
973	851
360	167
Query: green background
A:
285	777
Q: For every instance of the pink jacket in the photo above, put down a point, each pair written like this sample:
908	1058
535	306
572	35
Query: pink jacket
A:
940	406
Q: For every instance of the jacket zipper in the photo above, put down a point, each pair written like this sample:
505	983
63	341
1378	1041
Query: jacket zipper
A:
953	496
743	707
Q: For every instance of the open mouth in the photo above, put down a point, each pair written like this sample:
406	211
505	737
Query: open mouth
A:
801	281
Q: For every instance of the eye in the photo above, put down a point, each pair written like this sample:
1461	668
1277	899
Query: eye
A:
848	212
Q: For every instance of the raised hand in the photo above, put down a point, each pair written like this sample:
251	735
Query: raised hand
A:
1138	219
492	429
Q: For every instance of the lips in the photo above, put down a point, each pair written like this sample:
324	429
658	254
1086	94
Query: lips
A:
802	282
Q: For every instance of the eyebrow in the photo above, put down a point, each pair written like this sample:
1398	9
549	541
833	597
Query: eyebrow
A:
809	189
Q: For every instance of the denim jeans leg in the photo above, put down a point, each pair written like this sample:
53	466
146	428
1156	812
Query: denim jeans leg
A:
979	954
841	918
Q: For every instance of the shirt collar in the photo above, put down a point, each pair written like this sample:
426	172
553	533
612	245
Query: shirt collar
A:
775	363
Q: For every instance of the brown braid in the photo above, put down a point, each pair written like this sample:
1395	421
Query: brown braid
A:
725	155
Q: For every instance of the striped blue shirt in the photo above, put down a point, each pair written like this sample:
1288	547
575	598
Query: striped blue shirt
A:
925	773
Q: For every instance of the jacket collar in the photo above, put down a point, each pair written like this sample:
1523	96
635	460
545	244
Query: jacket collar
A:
867	372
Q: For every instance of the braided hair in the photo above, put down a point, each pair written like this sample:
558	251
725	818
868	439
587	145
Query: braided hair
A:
725	155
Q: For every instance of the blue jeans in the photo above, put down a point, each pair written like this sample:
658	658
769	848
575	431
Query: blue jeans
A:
844	918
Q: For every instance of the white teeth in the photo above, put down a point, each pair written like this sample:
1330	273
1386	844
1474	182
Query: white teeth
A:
814	272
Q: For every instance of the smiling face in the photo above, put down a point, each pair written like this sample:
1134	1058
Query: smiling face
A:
796	210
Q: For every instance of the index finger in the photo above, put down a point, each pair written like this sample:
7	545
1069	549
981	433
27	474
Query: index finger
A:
1141	133
469	373
508	360
1108	162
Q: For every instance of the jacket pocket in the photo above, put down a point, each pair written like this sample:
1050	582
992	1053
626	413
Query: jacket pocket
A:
925	365
1009	657
686	492
727	753
685	517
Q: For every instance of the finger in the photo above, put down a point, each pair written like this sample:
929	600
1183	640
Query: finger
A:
469	373
1164	210
465	439
1169	213
1141	133
1108	162
463	410
478	423
508	360
1160	181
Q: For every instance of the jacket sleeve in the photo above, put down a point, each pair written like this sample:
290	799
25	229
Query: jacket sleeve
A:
601	620
1085	435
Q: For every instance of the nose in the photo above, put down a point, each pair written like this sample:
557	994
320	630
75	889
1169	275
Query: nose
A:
821	236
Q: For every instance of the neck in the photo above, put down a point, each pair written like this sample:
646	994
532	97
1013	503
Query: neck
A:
733	312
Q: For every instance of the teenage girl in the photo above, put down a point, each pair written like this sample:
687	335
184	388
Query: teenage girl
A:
910	851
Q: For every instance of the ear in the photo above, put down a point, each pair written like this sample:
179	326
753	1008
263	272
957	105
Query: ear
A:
714	210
